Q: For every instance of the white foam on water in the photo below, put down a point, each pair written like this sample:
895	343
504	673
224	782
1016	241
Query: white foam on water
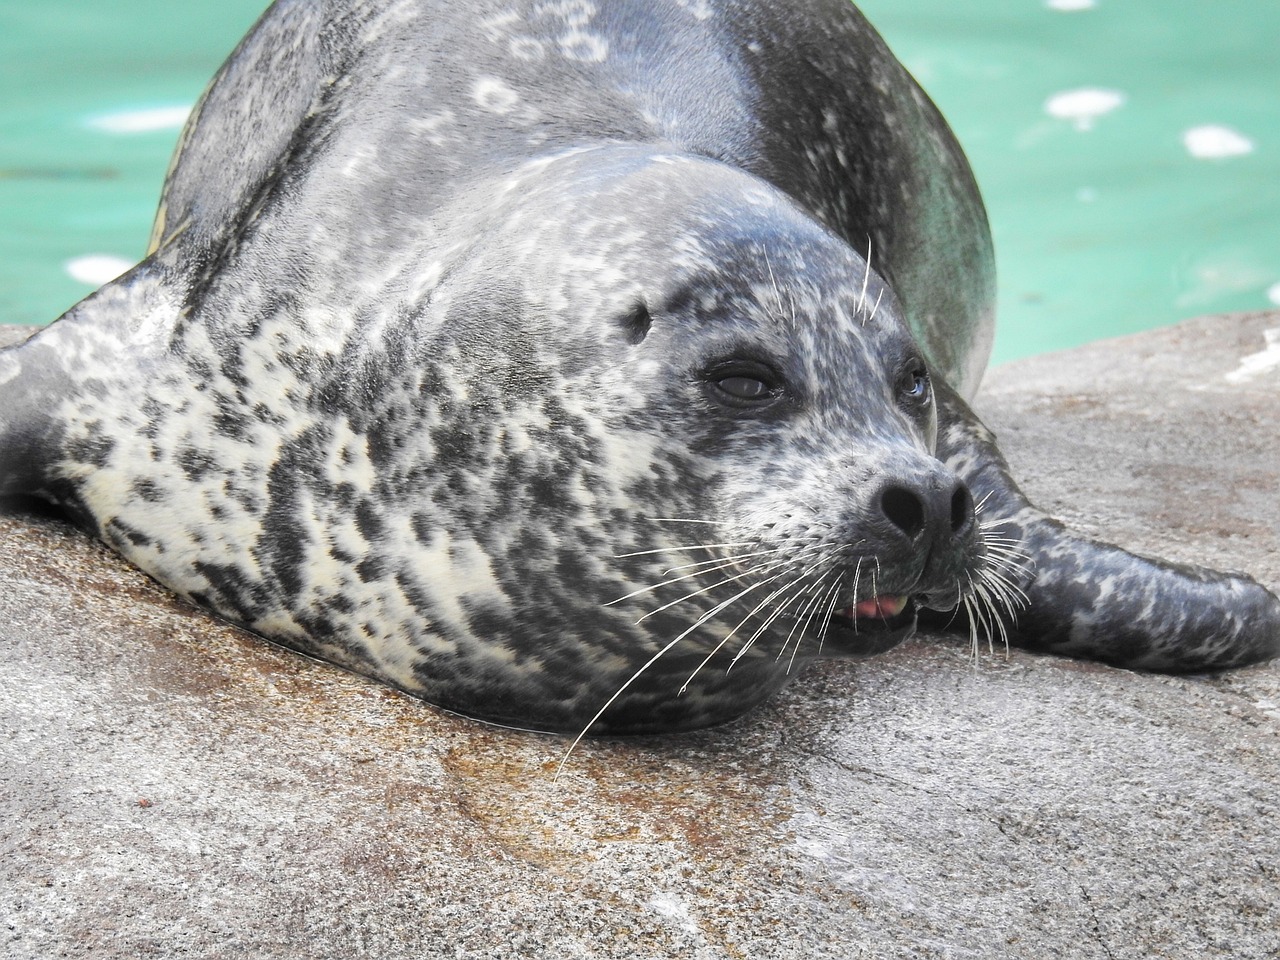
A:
96	268
140	121
1083	106
1273	294
1070	6
1212	142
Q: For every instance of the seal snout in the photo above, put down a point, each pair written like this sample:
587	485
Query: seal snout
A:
933	510
926	521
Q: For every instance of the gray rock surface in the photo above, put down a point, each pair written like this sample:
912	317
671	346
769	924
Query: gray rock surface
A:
171	786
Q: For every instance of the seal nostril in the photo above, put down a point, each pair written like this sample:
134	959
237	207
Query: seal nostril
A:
961	508
904	510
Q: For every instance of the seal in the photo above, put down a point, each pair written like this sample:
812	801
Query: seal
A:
575	365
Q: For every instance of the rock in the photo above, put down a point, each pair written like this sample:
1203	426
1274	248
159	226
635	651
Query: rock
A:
170	785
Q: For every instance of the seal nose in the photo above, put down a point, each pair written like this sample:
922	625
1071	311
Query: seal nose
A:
936	509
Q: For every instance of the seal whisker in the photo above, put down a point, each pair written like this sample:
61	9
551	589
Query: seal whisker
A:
857	576
756	610
1012	594
983	615
824	624
982	600
707	566
876	308
984	596
804	616
866	278
713	523
715	561
974	647
781	608
608	703
717	648
696	546
777	293
746	573
649	663
977	620
810	610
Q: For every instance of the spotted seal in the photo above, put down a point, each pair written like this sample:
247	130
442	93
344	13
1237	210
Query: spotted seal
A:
574	364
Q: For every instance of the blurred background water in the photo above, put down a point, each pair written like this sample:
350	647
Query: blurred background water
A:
1129	150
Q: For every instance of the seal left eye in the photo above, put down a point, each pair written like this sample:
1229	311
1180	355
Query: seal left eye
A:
915	382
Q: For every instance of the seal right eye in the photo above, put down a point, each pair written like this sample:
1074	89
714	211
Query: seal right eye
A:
743	383
744	388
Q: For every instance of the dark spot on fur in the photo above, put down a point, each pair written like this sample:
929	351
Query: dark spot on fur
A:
546	491
147	490
485	621
93	451
371	569
414	592
118	534
424	528
154	415
231	420
369	521
196	464
231	589
281	546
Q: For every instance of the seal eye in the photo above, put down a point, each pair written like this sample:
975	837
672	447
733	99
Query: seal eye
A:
743	383
914	383
743	388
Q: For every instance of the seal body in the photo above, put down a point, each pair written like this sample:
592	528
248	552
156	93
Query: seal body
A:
573	365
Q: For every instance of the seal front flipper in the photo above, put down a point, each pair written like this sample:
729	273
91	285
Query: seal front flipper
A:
53	386
1086	598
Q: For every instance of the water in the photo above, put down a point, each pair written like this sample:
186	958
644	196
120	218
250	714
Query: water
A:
1166	205
1145	195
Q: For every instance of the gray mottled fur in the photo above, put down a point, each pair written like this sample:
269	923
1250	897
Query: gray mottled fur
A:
420	374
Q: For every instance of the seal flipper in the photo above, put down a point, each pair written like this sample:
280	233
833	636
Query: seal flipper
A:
1095	600
56	376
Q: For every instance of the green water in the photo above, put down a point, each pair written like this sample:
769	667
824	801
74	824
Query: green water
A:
1099	230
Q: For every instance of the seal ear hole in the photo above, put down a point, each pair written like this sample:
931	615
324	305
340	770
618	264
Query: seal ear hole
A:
636	323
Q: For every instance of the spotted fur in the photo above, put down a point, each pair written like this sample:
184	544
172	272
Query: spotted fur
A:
431	369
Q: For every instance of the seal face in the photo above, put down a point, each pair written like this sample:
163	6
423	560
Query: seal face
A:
573	366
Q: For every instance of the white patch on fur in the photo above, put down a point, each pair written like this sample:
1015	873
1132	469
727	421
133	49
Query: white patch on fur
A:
494	95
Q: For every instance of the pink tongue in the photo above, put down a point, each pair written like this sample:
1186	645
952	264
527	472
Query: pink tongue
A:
882	607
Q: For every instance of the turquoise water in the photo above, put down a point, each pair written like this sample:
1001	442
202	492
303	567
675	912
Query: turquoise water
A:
1165	206
1129	150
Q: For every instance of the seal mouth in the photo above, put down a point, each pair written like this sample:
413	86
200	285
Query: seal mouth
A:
872	626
